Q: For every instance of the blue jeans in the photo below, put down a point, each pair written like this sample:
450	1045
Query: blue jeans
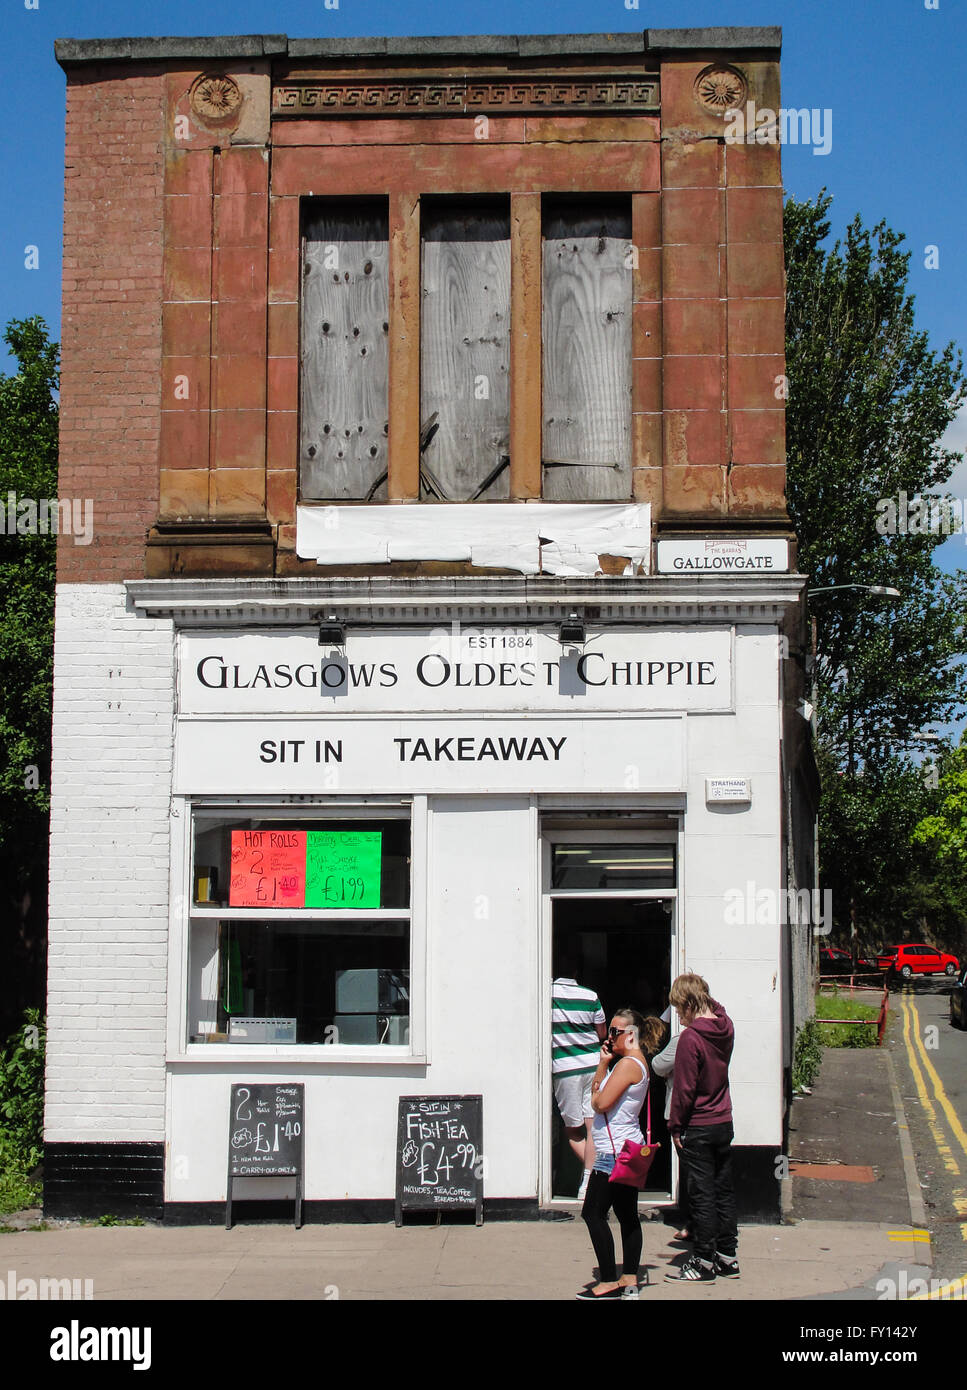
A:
708	1157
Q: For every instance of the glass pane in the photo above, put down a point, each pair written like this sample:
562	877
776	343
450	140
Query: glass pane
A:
613	866
285	864
282	981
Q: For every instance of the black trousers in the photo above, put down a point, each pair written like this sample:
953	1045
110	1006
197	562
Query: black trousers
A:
708	1157
684	1209
600	1198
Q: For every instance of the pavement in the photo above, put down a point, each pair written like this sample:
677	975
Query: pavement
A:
852	1229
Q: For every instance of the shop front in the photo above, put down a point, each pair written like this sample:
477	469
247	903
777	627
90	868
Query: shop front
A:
388	828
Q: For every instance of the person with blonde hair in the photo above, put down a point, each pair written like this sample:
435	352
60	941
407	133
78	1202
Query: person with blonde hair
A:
700	1123
617	1103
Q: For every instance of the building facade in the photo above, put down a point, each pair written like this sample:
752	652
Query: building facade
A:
441	621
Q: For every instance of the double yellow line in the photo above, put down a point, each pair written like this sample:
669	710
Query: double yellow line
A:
949	1154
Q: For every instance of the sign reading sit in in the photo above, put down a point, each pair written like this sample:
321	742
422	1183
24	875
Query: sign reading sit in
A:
306	868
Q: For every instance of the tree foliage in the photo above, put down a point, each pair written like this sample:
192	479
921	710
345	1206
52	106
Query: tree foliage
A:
868	403
28	468
944	828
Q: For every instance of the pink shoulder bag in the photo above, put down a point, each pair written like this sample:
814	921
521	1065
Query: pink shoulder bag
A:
633	1162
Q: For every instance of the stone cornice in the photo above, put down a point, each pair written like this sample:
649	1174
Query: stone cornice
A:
238	47
429	601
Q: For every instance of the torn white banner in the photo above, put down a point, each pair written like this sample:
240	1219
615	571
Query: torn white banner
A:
529	537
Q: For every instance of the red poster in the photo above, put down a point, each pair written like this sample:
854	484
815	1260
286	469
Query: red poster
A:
268	868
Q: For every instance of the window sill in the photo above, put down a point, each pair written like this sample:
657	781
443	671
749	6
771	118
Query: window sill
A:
308	1054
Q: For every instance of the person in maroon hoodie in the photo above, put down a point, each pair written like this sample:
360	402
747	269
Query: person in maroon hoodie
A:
700	1124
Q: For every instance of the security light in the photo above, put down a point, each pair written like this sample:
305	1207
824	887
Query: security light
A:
572	631
331	632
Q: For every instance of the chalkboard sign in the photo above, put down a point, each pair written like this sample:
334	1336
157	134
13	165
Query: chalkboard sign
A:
265	1136
439	1154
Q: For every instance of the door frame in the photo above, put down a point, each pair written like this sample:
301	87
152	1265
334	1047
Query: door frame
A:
549	896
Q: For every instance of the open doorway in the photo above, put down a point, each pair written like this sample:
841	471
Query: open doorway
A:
622	949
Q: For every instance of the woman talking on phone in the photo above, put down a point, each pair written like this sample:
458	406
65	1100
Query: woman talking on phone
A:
617	1099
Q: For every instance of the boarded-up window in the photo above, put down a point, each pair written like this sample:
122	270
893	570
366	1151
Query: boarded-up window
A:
465	349
587	349
345	330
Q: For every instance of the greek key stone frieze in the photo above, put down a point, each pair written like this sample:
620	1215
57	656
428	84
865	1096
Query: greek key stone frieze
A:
415	97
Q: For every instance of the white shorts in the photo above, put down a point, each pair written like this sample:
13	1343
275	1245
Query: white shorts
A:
573	1095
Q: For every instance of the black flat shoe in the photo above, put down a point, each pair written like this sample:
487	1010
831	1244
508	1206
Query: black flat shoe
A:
587	1296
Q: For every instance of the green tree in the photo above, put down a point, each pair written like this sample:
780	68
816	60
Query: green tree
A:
28	468
868	403
944	829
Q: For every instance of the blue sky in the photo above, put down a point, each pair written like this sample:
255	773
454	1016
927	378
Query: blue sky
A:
887	70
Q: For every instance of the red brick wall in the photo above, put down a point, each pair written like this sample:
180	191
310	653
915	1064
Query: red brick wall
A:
111	333
204	227
723	306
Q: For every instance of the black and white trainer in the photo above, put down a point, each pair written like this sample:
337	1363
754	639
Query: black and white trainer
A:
726	1266
694	1270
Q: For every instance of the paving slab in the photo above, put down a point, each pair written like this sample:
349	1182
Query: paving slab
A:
508	1261
850	1119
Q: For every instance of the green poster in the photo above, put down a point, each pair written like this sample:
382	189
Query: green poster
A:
343	868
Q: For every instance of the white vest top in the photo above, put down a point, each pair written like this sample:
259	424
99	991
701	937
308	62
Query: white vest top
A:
623	1117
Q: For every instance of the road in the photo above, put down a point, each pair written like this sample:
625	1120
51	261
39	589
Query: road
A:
930	1057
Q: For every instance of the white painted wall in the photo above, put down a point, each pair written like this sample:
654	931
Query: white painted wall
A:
482	947
113	717
728	848
112	759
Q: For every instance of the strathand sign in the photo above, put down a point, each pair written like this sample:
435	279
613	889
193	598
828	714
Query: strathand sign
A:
723	555
460	671
302	755
720	791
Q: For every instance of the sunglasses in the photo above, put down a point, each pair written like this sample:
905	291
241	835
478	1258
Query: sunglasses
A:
616	1032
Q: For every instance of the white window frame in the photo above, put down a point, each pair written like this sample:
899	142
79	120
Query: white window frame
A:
183	912
675	832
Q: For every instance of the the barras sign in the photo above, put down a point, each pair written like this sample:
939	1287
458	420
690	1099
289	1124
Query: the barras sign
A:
723	555
465	671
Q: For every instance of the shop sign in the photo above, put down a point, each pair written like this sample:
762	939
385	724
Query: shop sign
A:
303	756
456	670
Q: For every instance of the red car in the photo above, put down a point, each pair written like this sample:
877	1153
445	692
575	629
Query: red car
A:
912	960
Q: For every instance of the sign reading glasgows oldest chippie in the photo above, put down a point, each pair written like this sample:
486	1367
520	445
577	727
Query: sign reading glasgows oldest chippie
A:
463	670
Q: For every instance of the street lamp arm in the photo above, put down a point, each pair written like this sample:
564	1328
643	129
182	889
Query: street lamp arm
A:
879	590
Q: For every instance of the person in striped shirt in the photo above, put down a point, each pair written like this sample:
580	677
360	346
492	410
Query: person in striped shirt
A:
578	1026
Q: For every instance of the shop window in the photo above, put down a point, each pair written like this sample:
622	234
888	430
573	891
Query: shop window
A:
586	332
465	349
300	931
605	866
344	353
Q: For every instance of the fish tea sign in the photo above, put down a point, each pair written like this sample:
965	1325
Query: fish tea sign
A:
265	1137
439	1154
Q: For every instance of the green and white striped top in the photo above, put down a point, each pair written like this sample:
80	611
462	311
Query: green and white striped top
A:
574	1013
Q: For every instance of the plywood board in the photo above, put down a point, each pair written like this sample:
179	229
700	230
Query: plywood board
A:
586	330
465	347
344	356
